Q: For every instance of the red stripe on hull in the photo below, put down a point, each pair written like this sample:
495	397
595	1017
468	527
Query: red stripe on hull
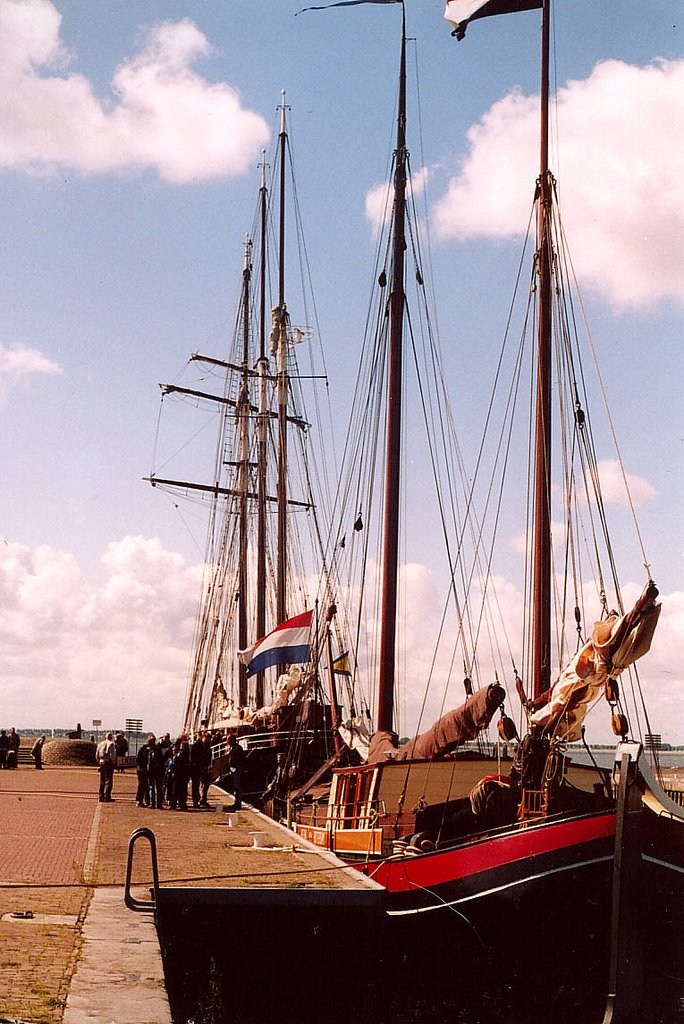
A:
442	866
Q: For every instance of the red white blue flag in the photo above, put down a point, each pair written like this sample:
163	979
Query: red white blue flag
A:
288	644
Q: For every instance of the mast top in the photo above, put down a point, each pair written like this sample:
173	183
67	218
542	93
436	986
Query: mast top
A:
283	108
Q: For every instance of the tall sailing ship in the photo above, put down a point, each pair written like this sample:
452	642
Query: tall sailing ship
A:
260	631
566	878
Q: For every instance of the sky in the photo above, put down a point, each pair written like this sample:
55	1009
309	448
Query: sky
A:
129	152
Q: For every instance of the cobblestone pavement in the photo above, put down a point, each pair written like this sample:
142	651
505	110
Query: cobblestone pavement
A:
58	842
200	848
47	818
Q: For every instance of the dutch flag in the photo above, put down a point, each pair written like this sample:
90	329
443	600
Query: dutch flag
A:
288	644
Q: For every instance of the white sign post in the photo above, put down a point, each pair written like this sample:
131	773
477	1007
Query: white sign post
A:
134	725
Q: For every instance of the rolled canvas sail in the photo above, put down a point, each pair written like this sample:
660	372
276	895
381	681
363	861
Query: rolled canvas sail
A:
457	726
616	642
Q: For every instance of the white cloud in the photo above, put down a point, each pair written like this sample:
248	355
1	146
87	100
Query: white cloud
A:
72	649
379	198
613	485
161	116
613	492
376	205
618	178
659	671
76	650
521	542
18	362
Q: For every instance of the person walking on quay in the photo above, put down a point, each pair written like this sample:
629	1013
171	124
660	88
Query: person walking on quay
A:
200	759
106	763
37	753
155	777
236	762
4	747
159	768
205	774
273	798
180	774
168	750
121	744
141	770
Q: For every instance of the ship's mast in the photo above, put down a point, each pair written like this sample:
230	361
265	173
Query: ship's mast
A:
541	608
393	450
262	434
243	469
280	326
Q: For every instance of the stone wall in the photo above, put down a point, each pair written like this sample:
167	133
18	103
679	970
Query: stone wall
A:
66	752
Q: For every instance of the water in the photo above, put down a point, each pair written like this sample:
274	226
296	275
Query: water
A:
605	757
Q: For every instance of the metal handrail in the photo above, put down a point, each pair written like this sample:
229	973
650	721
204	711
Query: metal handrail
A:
261	740
142	906
370	817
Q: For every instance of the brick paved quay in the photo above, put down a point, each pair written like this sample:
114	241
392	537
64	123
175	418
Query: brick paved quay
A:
63	853
46	820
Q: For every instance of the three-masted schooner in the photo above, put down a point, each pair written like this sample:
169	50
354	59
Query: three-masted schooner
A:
259	633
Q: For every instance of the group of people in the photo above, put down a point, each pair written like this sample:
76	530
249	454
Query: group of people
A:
9	749
165	770
169	773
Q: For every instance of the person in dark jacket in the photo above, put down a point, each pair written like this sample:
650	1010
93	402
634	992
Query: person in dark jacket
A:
180	773
121	744
4	747
37	752
161	753
153	760
236	763
141	770
205	776
13	749
200	759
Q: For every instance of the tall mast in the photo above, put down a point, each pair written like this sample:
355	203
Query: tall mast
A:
262	435
393	451
243	470
541	610
281	327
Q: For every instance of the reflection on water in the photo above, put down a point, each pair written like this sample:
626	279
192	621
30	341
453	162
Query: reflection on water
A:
605	757
271	965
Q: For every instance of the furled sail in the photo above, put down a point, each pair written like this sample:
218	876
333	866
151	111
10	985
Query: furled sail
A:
616	643
356	735
457	726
